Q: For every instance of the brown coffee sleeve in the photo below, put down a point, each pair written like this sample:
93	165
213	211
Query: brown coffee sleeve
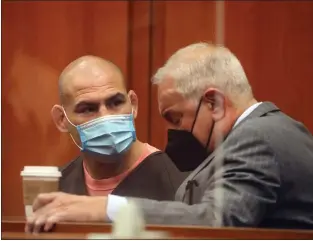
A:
31	189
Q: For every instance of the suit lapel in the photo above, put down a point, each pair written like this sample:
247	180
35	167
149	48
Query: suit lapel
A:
180	194
261	110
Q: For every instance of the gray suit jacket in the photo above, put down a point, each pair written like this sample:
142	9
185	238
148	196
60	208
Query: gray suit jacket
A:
260	176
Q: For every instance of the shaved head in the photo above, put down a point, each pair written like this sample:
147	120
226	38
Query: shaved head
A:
87	71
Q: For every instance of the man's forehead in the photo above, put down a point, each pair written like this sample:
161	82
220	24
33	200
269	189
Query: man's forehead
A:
80	82
168	97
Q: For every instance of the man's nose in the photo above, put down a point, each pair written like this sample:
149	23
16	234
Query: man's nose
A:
103	111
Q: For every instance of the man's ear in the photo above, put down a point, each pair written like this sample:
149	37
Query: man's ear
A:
134	102
216	100
59	118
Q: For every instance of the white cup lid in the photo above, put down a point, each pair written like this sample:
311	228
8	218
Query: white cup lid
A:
41	171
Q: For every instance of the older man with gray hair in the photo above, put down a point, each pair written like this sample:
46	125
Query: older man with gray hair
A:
251	164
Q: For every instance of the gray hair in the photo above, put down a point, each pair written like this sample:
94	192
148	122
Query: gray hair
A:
201	65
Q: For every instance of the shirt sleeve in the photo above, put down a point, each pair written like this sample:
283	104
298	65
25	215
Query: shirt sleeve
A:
114	205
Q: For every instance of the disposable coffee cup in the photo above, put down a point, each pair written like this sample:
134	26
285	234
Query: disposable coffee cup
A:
36	180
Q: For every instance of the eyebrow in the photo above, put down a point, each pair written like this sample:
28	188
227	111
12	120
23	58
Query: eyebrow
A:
83	104
108	100
117	96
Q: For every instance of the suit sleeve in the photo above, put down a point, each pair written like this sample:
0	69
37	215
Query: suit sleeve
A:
242	188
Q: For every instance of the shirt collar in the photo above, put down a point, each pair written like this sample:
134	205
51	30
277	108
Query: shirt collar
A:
246	113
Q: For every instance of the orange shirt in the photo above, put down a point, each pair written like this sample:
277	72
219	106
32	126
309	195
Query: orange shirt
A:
104	187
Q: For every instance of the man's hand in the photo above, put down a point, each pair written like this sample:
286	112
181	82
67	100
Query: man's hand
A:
52	208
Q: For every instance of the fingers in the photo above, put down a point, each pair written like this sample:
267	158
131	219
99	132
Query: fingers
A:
56	218
45	207
34	224
44	220
51	221
47	222
52	208
29	225
39	224
43	199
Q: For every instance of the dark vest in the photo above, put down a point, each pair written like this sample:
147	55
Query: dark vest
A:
155	178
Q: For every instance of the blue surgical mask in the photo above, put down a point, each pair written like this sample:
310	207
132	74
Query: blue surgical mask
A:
108	135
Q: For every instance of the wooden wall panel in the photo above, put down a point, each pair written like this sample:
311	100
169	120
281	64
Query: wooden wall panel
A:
39	40
273	40
139	62
175	25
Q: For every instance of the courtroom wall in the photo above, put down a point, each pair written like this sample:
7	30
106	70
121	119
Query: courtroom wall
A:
272	39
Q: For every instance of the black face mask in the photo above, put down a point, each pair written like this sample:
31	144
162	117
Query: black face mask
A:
184	149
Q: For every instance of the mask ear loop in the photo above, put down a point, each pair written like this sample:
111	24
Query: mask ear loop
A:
76	143
194	122
72	125
197	112
210	135
133	125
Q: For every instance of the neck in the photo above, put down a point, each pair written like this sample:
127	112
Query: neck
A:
99	169
239	111
221	130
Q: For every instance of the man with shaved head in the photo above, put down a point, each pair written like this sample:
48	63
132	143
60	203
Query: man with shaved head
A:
99	114
252	165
